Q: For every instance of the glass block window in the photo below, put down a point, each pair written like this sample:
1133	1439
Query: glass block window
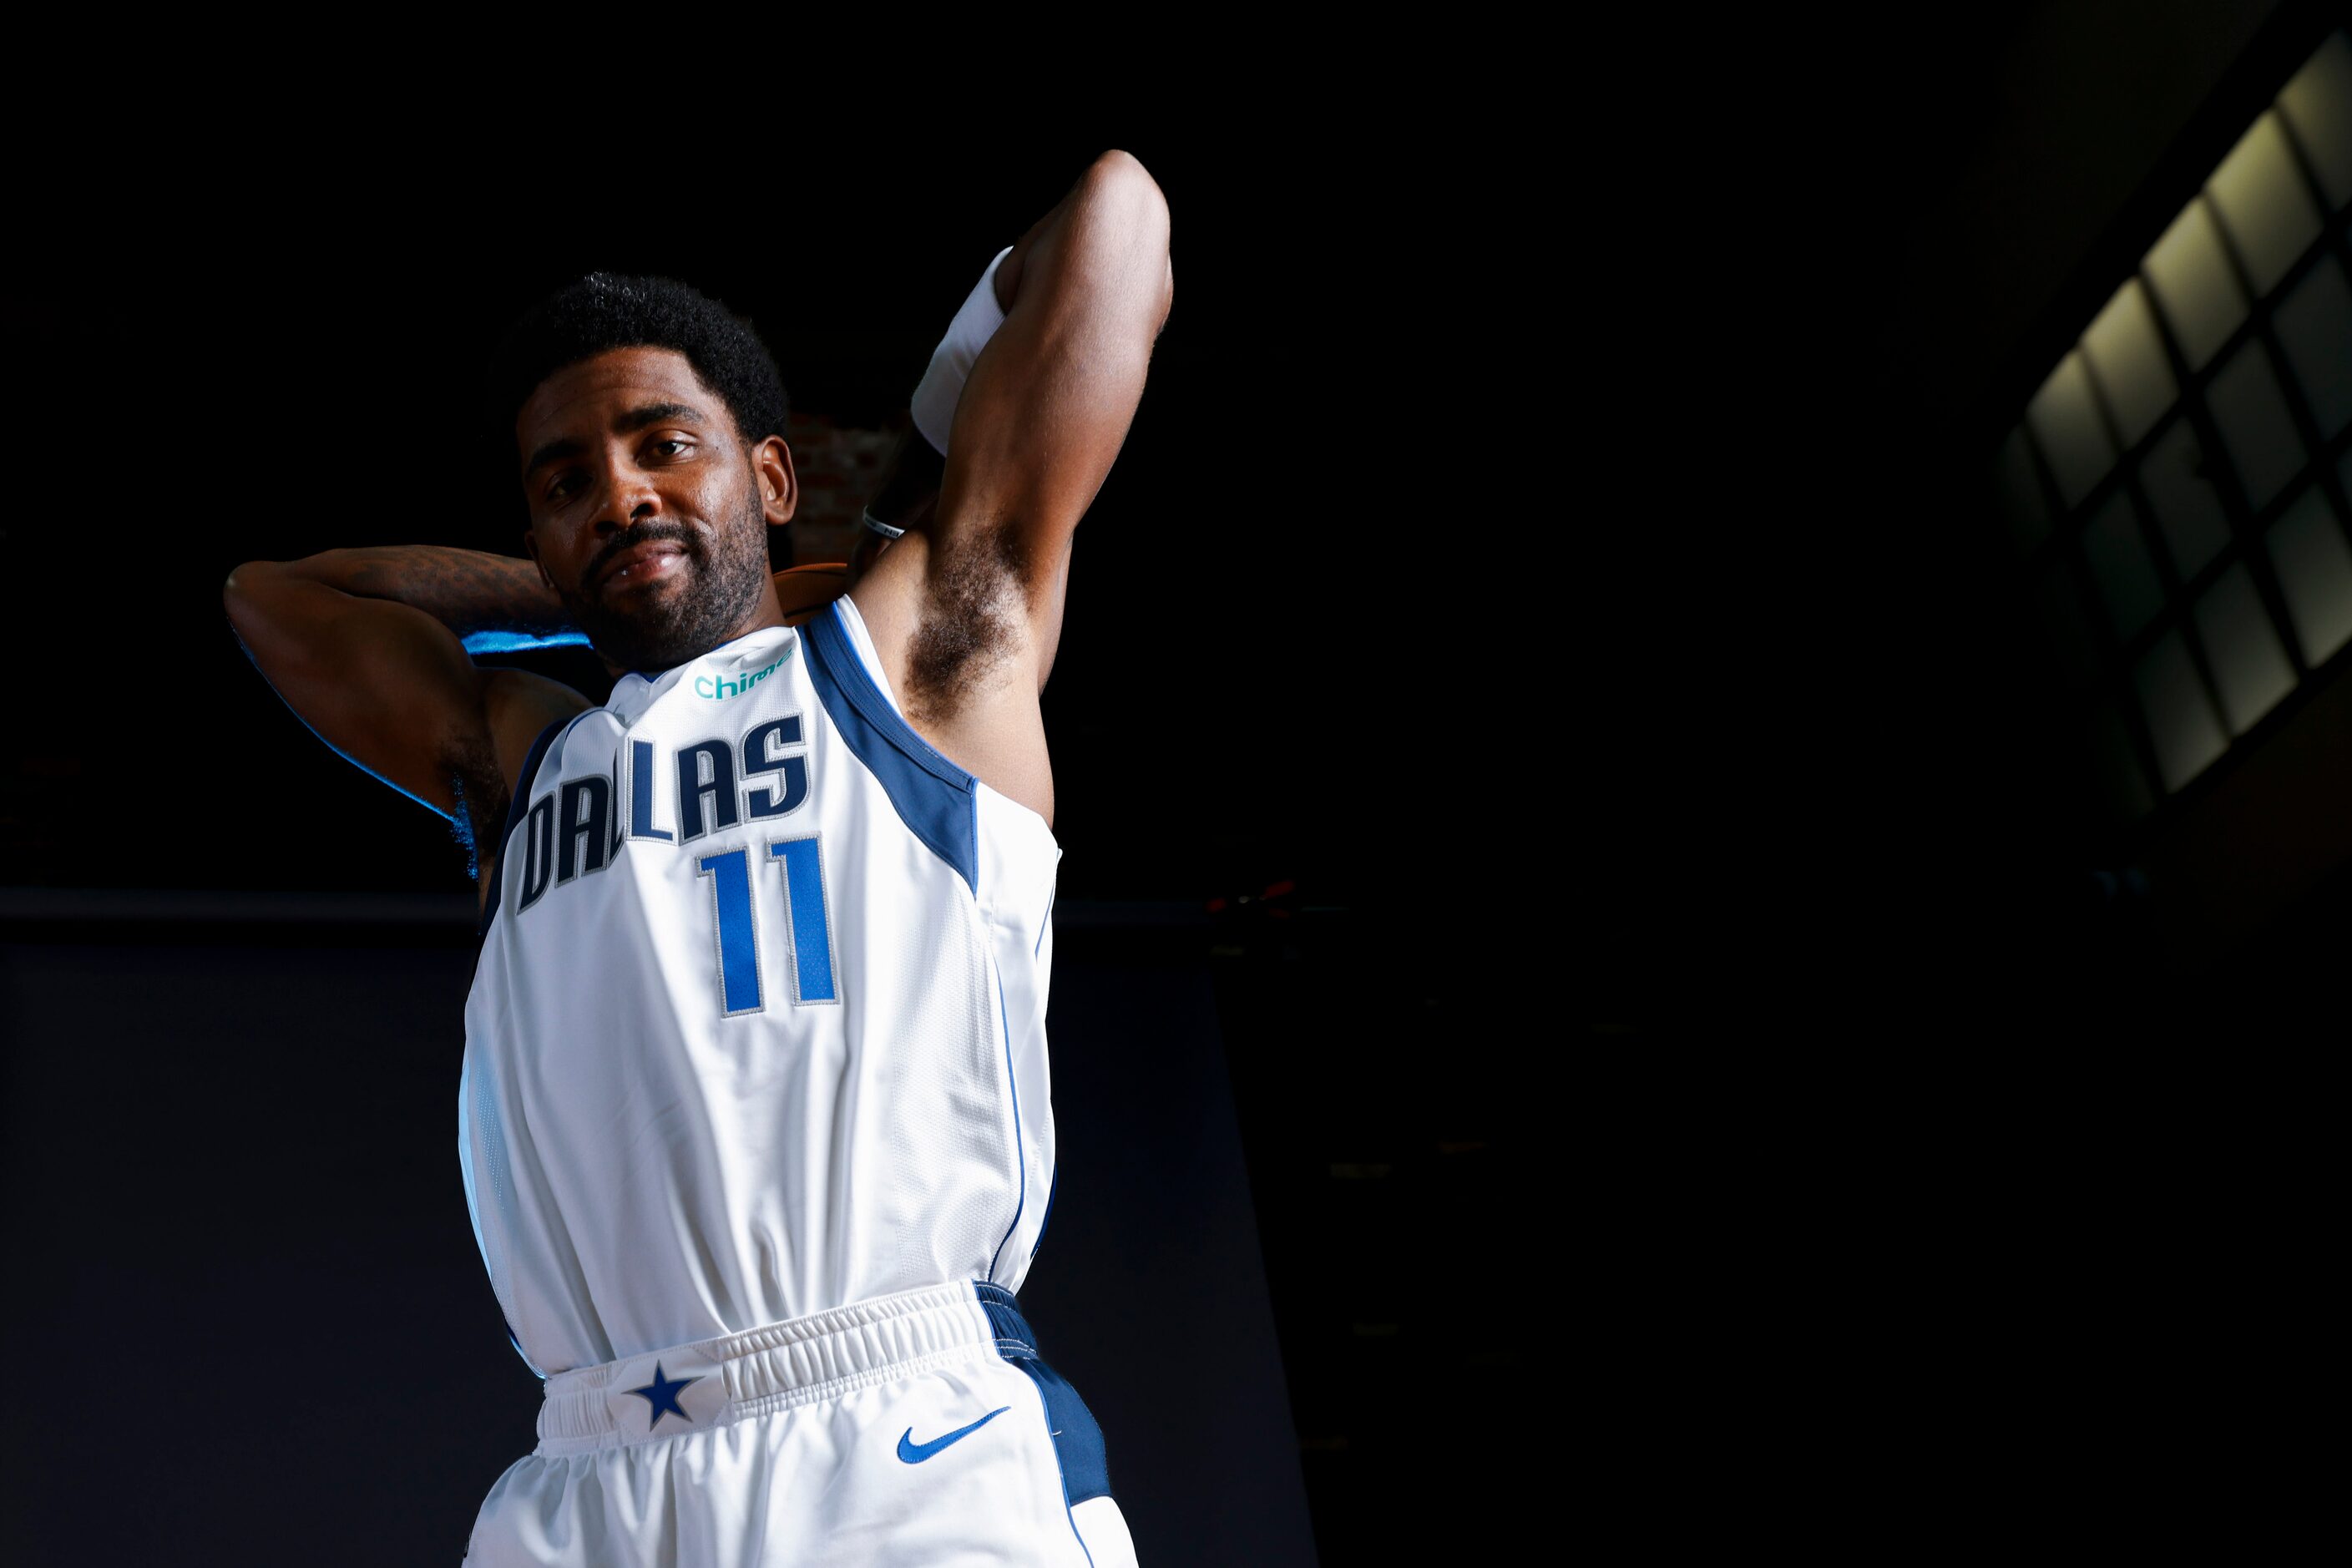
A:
2177	483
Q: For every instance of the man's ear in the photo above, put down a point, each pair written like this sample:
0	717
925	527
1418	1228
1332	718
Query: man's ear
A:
780	491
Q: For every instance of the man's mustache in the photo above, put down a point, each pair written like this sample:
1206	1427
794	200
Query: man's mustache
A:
629	538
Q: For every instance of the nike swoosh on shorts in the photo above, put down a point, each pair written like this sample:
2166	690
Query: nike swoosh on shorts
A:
915	1453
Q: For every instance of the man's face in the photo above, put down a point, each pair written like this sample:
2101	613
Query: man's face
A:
648	516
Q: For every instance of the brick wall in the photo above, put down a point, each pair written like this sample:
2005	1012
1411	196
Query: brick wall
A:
838	467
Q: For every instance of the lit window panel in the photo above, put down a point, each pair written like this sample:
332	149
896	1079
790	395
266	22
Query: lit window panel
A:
2250	667
2127	358
2318	104
2256	427
2122	786
2179	490
2066	422
2193	285
2017	491
2122	567
2265	204
2181	722
2315	573
2212	663
2315	328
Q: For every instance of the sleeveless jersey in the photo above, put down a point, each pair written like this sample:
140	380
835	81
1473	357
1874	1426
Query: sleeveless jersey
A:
757	1028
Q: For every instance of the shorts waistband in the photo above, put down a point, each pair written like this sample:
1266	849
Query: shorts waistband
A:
822	1356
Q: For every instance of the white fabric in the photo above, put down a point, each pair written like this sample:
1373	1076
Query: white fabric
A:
775	1202
646	1169
787	1448
936	395
799	1363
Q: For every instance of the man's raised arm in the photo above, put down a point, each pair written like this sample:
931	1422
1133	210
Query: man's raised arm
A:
1040	421
369	648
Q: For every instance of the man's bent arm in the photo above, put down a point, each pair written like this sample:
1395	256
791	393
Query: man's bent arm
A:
495	603
1047	406
364	645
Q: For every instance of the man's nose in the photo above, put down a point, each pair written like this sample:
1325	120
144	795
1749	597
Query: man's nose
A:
629	499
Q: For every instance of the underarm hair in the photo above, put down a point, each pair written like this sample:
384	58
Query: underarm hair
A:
973	610
481	791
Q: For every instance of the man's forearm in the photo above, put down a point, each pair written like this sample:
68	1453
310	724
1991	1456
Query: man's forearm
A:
494	602
910	476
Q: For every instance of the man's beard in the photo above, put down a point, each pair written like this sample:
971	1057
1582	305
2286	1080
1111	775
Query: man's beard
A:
655	633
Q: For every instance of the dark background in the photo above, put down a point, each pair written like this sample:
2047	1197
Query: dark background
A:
1691	1075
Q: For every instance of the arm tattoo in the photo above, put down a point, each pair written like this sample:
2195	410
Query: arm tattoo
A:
468	591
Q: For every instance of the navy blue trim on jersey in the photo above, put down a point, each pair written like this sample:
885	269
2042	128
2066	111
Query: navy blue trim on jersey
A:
516	805
1078	1440
938	801
1004	1319
1019	1158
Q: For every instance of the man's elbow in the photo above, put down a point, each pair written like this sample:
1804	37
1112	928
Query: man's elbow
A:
238	591
254	597
251	581
1118	180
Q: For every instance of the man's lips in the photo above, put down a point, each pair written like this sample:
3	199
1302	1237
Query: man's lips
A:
641	562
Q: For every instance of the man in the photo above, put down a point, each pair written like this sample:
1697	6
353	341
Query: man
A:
753	1114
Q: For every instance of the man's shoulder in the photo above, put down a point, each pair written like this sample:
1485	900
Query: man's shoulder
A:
960	656
803	590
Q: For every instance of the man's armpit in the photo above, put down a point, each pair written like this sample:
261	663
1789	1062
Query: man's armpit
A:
471	767
974	618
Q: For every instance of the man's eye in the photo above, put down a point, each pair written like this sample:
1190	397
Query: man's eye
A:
670	441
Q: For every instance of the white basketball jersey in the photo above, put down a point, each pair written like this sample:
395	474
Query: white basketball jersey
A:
757	1026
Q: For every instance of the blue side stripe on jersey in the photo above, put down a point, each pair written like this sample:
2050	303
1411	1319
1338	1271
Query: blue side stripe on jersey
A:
1052	1182
1077	1439
1020	1163
516	805
938	801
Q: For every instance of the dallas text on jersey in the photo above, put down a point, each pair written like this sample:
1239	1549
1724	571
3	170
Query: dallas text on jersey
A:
574	831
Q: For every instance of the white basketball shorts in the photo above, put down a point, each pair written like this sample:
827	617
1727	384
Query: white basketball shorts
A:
915	1428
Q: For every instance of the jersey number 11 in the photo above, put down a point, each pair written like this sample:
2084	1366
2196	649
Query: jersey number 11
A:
810	934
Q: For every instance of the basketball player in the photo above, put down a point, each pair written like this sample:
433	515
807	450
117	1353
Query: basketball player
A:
753	1112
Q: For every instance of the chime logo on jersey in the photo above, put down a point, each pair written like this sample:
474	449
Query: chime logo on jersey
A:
577	828
717	688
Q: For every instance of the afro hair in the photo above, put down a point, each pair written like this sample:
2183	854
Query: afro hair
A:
603	311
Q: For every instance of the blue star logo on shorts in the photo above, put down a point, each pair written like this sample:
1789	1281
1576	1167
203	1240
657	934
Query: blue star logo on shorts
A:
661	1394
